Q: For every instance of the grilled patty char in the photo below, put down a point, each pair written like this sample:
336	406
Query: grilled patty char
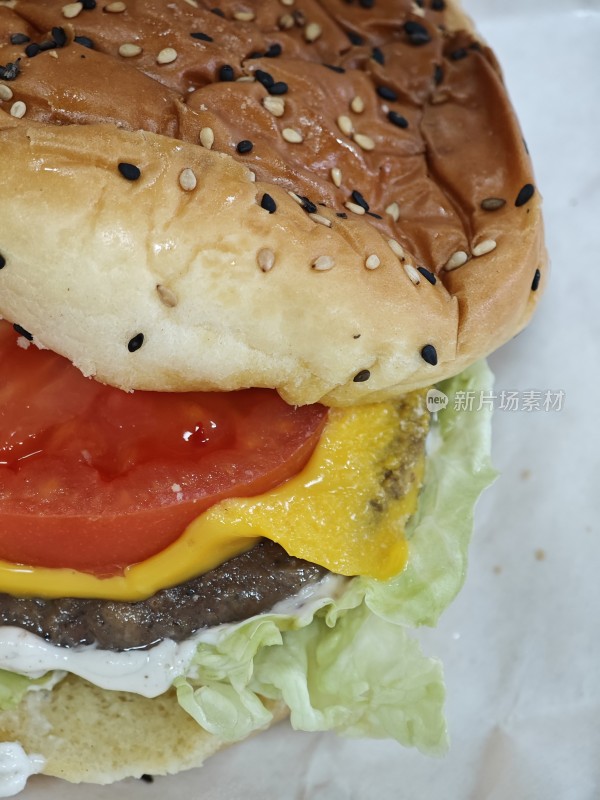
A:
245	585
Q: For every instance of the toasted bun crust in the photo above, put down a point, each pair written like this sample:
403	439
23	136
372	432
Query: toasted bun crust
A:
91	735
180	279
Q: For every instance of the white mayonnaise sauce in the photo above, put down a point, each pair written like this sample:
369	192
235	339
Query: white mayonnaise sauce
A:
147	672
15	767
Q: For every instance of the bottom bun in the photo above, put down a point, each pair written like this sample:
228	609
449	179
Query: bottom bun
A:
88	734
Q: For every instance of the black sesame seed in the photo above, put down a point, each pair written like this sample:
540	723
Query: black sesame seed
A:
226	73
88	5
417	33
458	54
264	77
255	54
398	119
419	3
19	38
438	5
32	50
147	778
84	41
280	87
334	68
245	146
377	55
356	336
274	50
360	200
427	274
356	39
308	205
22	332
218	12
135	343
342	215
2	261
129	171
429	354
536	281
438	74
525	194
10	71
362	376
59	36
386	93
48	44
203	37
366	3
373	214
493	203
268	203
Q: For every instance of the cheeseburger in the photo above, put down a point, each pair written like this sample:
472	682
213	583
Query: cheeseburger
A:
240	242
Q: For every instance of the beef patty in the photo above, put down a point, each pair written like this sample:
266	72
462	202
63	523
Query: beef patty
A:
243	586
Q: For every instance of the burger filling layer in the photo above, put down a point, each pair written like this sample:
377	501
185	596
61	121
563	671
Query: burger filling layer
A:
344	509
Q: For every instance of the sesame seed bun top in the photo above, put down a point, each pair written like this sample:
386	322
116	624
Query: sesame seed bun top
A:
258	202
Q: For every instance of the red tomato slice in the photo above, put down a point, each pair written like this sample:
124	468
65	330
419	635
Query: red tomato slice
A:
96	479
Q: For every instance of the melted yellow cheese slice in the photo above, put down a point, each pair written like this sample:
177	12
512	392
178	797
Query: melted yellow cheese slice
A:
346	510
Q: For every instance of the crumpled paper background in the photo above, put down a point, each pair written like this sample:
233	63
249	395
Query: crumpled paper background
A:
521	644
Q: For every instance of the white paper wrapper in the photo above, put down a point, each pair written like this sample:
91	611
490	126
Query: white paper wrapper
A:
520	645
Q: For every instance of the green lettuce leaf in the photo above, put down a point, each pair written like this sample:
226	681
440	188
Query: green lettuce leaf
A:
14	687
349	664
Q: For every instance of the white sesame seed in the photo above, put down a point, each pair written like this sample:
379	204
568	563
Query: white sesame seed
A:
52	54
412	274
344	123
456	260
394	211
323	263
312	31
396	248
187	180
167	296
245	79
207	137
285	22
292	136
372	262
354	207
244	16
287	2
5	92
193	3
357	105
336	176
296	197
320	219
364	142
276	105
484	247
129	50
18	109
251	176
166	56
115	8
265	259
417	10
71	10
